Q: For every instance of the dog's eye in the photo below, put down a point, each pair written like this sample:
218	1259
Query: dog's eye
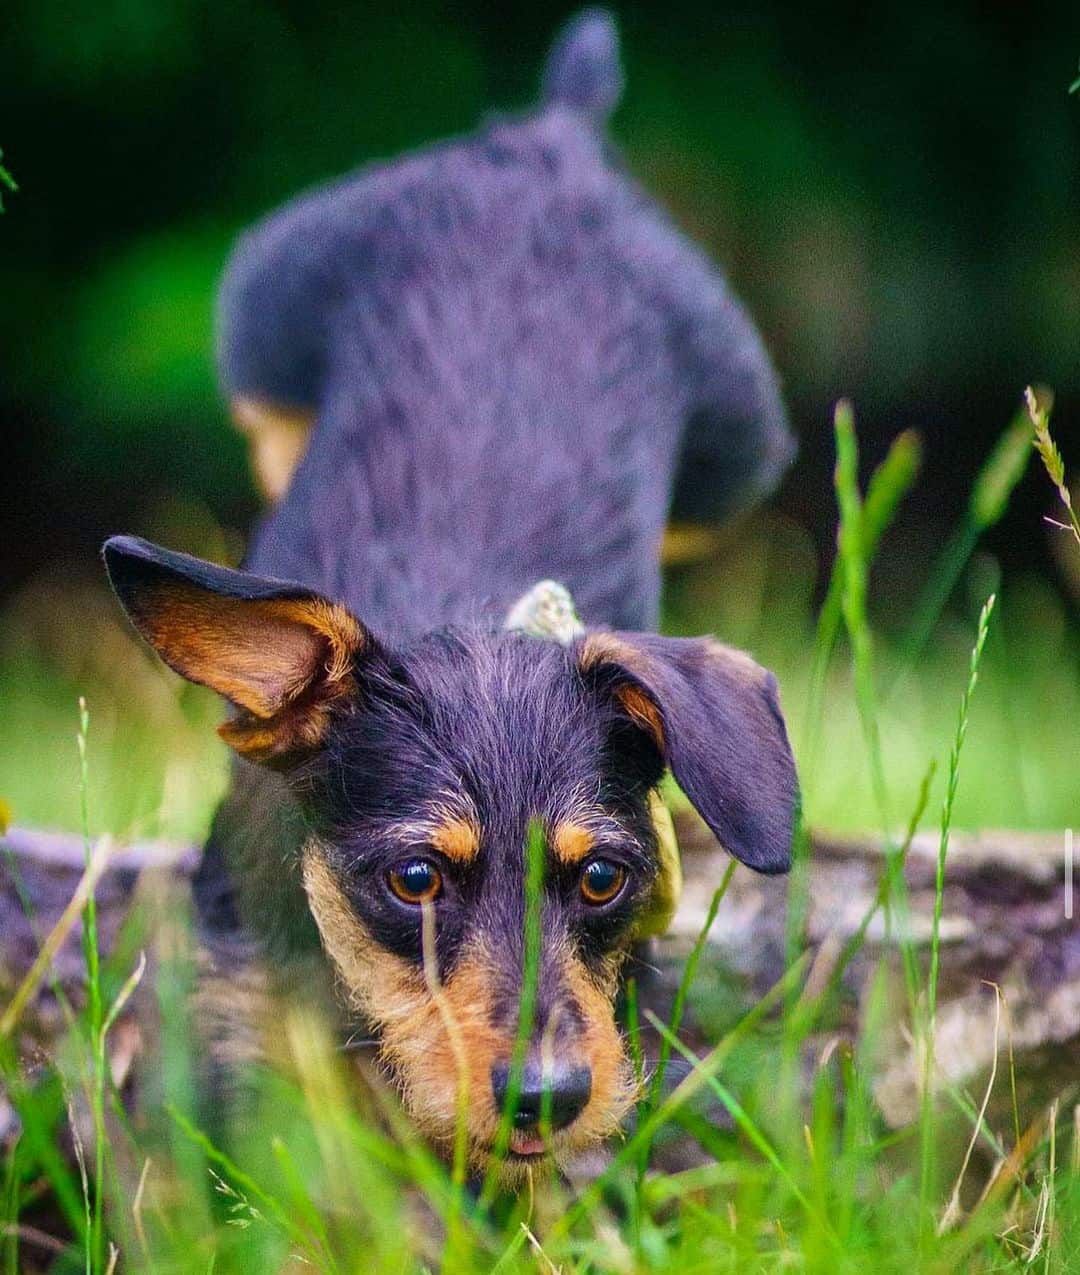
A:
417	881
601	881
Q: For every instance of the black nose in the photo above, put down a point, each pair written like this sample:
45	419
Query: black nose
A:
559	1094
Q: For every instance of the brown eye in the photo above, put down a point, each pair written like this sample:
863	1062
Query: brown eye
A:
601	881
416	882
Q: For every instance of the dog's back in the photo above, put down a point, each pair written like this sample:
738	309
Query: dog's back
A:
511	358
507	354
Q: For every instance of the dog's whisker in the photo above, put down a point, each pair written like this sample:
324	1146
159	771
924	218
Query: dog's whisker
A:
353	1045
641	963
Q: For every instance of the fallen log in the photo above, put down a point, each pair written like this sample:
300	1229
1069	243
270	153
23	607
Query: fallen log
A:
39	872
1005	921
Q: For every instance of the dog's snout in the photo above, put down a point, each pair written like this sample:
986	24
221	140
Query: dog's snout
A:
559	1093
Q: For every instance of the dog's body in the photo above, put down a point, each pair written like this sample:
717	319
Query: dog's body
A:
511	359
507	349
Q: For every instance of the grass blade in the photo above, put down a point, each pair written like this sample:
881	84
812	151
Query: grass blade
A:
97	864
742	1118
951	784
888	486
535	847
1051	457
685	1092
990	495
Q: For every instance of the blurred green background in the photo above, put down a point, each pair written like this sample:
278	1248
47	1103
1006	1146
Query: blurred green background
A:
893	188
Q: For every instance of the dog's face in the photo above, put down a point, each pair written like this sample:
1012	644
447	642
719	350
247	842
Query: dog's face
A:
422	771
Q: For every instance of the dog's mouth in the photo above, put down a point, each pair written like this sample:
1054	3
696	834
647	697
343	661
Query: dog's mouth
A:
527	1144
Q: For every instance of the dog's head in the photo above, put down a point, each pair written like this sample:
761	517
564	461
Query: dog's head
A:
421	770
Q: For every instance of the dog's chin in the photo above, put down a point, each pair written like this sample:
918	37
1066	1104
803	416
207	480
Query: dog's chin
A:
526	1155
514	1170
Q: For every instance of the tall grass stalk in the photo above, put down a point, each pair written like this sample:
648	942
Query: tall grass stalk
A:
1051	457
889	484
450	1024
43	966
951	784
95	1240
40	969
952	1209
1051	1192
989	499
855	568
862	525
535	849
851	544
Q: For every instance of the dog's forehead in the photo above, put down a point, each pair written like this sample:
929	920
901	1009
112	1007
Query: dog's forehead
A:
465	737
479	733
501	668
504	708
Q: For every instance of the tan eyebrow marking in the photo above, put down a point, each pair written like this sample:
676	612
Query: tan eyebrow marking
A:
572	842
457	838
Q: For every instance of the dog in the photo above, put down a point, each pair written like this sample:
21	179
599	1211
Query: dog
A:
486	365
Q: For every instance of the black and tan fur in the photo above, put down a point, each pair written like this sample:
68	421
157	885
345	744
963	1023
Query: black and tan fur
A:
512	361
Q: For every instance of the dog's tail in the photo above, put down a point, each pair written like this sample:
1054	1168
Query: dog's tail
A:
736	445
277	300
583	70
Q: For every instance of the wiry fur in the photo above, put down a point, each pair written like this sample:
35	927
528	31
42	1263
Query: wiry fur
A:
439	1038
508	348
510	356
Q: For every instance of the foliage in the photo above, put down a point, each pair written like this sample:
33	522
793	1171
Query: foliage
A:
7	182
1052	462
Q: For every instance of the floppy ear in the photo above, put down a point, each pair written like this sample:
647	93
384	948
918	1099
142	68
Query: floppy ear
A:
283	656
715	718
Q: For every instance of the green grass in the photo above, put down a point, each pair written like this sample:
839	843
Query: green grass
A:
801	1173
